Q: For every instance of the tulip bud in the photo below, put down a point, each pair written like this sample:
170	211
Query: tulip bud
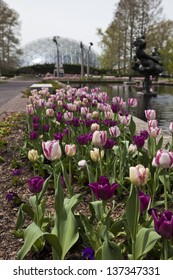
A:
139	175
70	150
95	154
99	138
33	155
52	150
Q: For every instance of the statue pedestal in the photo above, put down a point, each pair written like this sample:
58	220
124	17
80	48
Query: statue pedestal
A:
147	94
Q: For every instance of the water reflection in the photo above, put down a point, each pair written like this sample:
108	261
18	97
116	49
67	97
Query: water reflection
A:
163	103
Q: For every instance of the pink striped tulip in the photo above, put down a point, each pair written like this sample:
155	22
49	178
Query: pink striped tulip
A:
52	150
163	159
154	131
125	120
150	114
99	138
132	102
152	123
114	131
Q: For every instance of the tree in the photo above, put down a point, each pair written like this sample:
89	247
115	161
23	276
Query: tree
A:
131	19
9	37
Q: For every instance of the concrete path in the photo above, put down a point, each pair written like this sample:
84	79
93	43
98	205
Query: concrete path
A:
11	95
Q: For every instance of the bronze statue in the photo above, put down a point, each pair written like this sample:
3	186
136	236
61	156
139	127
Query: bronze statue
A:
148	65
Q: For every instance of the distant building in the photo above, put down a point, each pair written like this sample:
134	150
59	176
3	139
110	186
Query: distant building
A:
44	50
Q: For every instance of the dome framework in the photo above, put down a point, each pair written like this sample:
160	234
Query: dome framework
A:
44	50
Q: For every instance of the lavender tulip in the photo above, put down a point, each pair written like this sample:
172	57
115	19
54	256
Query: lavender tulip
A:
163	224
35	184
46	128
103	189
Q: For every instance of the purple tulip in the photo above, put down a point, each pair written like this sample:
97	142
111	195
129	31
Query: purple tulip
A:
58	136
46	128
102	189
59	116
109	122
88	254
33	135
139	140
35	119
75	122
109	144
163	224
83	139
36	126
144	133
88	122
35	184
115	108
66	131
144	201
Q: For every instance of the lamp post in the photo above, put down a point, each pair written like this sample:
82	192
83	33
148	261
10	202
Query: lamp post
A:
82	59
88	59
57	55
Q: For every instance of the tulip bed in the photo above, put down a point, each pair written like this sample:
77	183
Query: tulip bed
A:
112	186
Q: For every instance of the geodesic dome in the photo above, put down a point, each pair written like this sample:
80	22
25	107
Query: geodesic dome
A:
44	50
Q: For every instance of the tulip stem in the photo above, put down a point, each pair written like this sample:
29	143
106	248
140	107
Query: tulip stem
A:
37	212
165	249
165	192
70	177
100	161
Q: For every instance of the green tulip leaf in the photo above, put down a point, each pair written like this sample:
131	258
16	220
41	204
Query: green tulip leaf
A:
111	251
31	234
132	211
145	241
132	127
66	228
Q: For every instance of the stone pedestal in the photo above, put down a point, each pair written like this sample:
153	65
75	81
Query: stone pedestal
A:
41	86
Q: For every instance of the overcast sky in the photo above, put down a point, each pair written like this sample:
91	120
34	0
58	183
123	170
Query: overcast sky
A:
76	19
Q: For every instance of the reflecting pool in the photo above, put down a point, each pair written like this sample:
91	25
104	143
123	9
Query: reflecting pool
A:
163	103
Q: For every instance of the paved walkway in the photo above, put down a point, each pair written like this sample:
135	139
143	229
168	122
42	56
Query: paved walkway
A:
16	104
